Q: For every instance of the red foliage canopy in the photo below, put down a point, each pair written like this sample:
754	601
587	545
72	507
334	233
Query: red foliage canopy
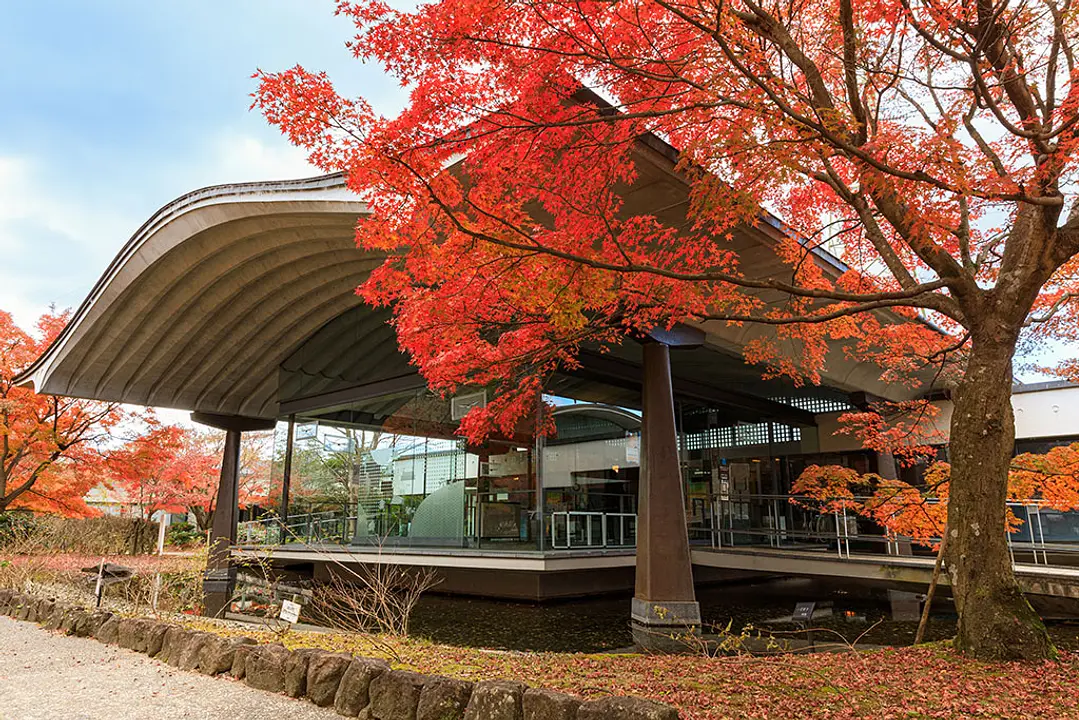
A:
926	144
173	468
50	447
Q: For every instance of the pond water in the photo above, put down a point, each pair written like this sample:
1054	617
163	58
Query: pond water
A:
603	624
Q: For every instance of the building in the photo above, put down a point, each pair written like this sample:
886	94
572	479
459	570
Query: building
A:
236	303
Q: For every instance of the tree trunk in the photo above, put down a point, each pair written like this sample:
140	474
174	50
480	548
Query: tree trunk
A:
995	620
923	623
203	518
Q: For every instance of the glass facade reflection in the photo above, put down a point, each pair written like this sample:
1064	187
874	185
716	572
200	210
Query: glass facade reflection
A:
394	473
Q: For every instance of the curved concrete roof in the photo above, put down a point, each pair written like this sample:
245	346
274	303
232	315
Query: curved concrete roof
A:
235	299
204	303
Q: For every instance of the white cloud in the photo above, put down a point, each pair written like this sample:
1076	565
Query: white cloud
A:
56	237
236	157
49	241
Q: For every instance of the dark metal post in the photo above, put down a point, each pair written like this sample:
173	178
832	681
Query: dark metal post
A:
286	476
220	578
664	604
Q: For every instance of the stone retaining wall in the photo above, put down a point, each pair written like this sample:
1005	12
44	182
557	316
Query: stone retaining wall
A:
356	687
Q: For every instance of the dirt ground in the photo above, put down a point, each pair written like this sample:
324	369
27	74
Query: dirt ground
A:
45	676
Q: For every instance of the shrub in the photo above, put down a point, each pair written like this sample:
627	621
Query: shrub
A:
14	527
106	535
183	534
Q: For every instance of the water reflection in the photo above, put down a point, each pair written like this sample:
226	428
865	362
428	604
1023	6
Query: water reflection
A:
602	624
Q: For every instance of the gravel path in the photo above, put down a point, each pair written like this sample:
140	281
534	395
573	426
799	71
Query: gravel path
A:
45	676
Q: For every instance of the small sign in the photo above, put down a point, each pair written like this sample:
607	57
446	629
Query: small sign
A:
461	405
803	611
290	611
633	450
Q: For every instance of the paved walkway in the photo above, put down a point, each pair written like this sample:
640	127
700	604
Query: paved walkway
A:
45	676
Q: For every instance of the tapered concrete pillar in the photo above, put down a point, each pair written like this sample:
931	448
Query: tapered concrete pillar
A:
664	604
220	578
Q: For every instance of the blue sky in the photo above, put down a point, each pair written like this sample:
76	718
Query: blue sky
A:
112	108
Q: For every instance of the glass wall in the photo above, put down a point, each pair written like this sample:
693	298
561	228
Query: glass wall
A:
394	473
591	471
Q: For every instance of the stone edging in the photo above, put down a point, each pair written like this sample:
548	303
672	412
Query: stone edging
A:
354	686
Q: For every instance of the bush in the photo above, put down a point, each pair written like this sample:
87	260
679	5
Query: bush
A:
106	535
183	534
14	527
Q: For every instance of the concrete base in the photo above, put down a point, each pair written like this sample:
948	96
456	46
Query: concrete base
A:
666	626
470	577
218	588
906	606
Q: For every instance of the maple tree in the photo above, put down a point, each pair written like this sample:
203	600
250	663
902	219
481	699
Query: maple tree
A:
51	448
163	468
930	144
177	469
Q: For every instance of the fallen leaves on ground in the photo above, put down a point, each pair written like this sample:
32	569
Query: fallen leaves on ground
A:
907	683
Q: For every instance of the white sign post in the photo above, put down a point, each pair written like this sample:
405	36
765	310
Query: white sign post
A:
290	611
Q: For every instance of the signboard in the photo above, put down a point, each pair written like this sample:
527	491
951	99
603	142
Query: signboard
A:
290	611
633	450
722	475
462	404
500	520
303	431
803	612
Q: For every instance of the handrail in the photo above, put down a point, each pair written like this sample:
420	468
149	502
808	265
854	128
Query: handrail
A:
734	515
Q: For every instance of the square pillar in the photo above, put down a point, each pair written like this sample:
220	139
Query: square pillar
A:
219	581
664	603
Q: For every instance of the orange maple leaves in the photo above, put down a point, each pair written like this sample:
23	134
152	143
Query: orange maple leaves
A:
50	447
1050	480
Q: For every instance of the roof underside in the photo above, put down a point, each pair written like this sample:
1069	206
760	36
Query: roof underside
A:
240	300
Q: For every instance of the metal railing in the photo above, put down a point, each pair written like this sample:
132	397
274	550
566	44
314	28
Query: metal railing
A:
492	518
1046	537
588	529
792	522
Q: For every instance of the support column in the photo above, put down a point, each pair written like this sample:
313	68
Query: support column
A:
220	579
286	477
664	604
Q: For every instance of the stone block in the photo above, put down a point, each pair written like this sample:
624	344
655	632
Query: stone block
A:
11	608
395	695
239	660
5	598
265	668
625	708
127	633
324	673
169	643
296	671
495	700
178	645
353	693
108	631
31	612
45	609
26	606
217	654
155	638
443	699
19	609
540	704
191	654
71	619
56	617
90	622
